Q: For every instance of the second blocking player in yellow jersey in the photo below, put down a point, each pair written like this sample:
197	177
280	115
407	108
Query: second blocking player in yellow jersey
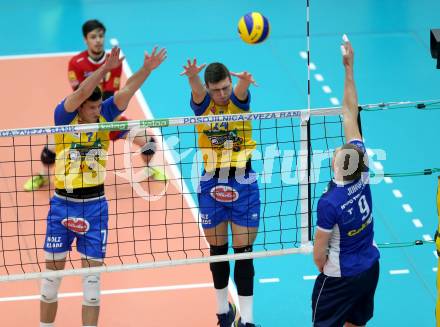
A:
228	192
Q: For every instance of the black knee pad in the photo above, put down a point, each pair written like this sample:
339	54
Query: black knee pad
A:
244	273
220	270
47	156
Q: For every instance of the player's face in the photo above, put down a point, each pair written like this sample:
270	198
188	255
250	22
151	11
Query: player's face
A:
89	111
95	41
220	92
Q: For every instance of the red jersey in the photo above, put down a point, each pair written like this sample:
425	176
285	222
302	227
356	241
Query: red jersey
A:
82	66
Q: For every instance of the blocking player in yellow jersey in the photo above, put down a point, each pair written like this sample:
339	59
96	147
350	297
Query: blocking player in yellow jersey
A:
437	244
78	210
228	192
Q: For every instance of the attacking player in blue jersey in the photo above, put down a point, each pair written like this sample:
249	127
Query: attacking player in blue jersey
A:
344	250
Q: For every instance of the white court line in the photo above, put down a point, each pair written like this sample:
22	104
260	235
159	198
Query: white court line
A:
310	277
388	180
327	89
427	237
434	269
407	208
112	292
39	55
335	101
417	223
397	193
269	280
319	77
399	272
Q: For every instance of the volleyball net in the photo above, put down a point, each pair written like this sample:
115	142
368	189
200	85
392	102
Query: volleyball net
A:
156	223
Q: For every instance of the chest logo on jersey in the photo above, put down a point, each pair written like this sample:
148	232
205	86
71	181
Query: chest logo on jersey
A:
224	193
219	137
76	224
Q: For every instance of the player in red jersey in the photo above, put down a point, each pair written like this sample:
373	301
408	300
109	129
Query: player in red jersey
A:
80	67
85	63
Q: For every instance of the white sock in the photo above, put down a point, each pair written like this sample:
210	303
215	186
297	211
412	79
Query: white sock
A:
246	309
222	300
43	324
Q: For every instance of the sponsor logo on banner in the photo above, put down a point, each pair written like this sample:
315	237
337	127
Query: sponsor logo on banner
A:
224	193
113	126
75	224
155	123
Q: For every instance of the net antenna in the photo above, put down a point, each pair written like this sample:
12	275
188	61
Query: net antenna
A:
305	156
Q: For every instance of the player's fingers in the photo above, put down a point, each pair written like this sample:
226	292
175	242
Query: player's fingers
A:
184	71
154	51
343	50
202	66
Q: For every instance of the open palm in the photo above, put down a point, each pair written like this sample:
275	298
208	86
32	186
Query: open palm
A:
113	61
245	76
192	69
154	60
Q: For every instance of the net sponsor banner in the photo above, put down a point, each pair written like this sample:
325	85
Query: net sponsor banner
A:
155	123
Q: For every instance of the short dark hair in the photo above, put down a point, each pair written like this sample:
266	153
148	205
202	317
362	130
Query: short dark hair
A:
91	25
216	72
96	95
352	152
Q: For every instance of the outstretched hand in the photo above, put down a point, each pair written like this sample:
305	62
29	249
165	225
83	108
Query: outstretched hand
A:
347	52
154	60
113	61
192	69
245	77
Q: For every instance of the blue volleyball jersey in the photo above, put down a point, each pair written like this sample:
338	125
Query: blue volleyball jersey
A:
345	210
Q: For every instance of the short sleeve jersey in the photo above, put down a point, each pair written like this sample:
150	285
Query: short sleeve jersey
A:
82	66
346	211
81	157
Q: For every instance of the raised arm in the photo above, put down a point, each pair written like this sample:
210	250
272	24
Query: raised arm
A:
244	80
74	100
350	110
151	62
192	72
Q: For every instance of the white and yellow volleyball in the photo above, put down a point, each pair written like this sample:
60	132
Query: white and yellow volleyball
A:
253	28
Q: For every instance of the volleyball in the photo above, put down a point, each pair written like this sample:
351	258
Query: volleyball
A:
253	28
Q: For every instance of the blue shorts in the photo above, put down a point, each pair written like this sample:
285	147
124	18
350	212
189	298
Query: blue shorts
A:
229	200
337	300
85	221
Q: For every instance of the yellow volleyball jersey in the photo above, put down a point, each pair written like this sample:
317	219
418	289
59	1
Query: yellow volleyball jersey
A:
228	143
81	157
